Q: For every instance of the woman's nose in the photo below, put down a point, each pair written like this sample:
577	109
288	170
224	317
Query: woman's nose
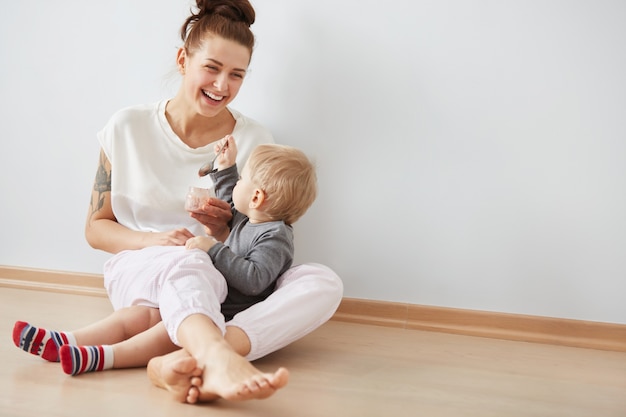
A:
220	82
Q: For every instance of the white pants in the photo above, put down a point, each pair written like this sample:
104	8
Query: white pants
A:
182	282
177	281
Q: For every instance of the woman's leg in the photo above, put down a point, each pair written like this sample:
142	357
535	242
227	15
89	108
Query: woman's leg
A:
190	305
174	372
226	374
188	283
306	297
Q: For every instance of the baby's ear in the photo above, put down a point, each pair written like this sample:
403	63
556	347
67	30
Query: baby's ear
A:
258	197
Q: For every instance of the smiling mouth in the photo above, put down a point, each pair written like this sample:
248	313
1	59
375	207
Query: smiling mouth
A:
212	96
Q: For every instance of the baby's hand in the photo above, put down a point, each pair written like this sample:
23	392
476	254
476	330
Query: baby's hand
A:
201	242
228	156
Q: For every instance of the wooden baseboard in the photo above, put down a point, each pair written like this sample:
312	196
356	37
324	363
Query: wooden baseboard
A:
535	329
54	281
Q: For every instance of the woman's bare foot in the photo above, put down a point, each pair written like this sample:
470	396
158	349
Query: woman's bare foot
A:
178	373
195	396
230	376
225	373
174	372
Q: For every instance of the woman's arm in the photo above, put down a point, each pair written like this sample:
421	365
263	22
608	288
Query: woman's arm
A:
104	232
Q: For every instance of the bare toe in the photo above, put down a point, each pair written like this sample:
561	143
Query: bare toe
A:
192	395
174	373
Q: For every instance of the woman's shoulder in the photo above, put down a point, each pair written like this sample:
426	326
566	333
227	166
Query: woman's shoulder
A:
137	122
135	112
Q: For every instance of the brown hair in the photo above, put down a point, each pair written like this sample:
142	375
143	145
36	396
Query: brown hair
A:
228	19
288	179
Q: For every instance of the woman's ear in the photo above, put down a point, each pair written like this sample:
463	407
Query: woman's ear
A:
181	60
258	197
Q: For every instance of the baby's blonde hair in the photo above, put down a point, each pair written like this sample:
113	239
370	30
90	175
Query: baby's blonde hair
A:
288	179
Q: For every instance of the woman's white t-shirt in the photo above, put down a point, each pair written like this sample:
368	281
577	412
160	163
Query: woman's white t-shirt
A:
152	169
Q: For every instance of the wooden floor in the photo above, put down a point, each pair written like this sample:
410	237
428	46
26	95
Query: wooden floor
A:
340	370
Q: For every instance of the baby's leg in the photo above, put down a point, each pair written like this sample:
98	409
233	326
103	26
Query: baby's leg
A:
90	349
118	326
131	353
138	350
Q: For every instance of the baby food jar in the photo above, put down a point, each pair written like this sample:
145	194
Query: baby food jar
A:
196	197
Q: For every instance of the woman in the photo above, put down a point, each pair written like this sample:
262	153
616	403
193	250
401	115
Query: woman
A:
150	156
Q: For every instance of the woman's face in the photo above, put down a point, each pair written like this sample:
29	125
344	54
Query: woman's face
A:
213	74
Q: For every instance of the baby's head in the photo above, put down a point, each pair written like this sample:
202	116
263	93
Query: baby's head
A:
287	179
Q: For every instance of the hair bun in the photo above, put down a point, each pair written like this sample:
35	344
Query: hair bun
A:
235	10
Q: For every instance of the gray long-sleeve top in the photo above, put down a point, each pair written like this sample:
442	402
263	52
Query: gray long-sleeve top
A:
254	254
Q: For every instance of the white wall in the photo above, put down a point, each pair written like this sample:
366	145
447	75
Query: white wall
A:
471	154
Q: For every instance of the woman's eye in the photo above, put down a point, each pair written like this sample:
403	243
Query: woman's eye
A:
237	75
212	68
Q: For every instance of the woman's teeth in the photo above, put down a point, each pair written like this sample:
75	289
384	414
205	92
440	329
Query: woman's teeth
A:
212	96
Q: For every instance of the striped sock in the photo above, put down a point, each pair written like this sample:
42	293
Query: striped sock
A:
76	360
40	342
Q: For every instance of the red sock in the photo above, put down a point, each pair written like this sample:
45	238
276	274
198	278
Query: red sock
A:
38	341
76	360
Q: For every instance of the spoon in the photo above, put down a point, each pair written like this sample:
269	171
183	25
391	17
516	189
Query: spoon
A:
208	167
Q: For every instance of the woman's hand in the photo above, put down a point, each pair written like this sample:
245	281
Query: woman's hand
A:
215	216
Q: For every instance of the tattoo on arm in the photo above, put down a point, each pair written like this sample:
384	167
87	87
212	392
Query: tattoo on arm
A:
102	185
